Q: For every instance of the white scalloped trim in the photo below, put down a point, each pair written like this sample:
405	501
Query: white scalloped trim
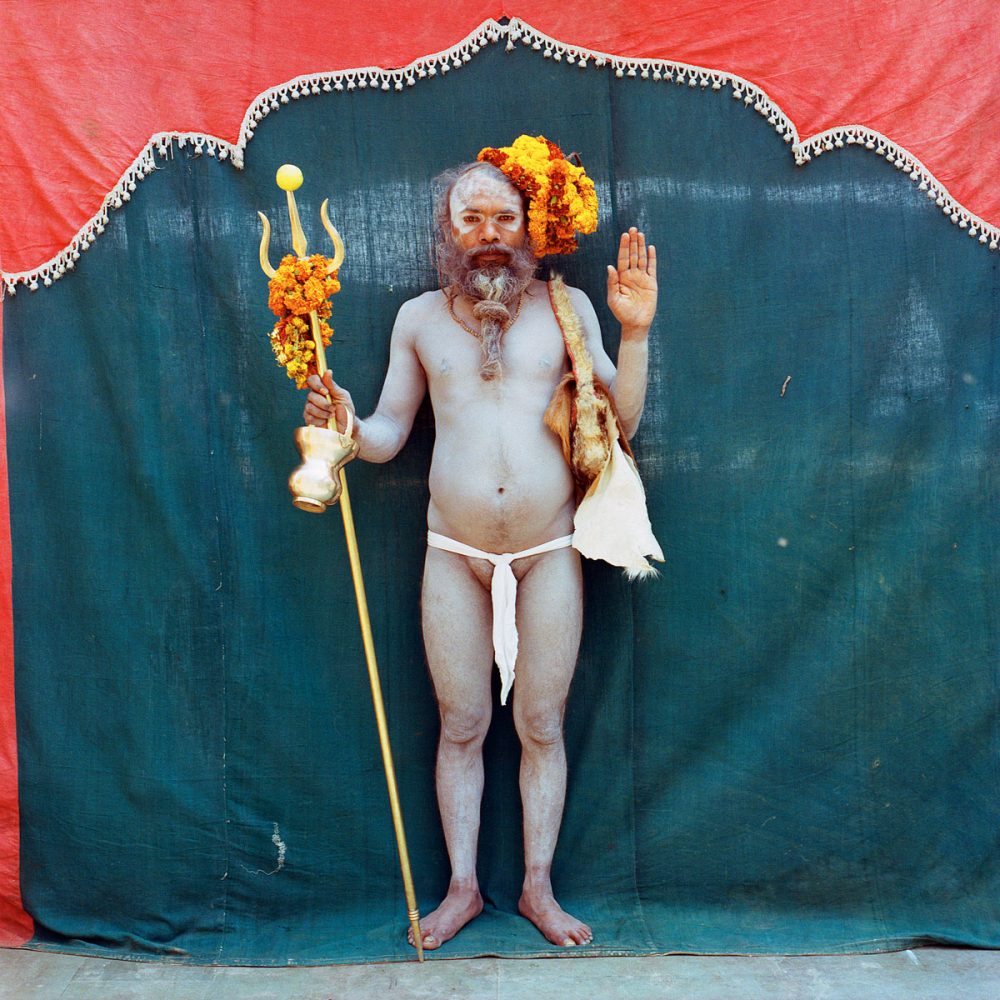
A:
752	96
488	33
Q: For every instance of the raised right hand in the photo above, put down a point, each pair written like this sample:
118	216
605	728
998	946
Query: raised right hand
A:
323	396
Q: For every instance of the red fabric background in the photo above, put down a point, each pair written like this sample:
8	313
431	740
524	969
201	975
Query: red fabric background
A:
84	90
16	926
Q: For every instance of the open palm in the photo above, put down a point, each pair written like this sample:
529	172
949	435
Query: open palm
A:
632	289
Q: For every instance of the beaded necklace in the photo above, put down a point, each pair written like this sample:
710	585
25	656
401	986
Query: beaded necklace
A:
476	333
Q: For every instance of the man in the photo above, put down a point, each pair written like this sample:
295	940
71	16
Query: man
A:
489	350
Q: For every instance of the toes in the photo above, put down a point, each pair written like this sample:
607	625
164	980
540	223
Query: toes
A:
430	942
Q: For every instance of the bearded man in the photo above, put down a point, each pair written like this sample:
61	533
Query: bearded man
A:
492	352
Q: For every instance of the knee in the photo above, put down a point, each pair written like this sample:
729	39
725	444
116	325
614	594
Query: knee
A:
464	726
540	728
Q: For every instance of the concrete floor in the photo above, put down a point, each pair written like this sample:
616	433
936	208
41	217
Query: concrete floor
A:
923	974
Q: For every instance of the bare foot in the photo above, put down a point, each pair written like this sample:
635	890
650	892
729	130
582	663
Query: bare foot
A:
457	908
553	921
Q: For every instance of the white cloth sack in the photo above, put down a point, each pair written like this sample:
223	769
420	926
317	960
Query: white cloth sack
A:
611	521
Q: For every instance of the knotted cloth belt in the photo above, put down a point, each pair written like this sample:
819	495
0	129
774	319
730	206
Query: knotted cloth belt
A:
503	592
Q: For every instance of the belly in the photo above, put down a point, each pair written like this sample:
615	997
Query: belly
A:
499	481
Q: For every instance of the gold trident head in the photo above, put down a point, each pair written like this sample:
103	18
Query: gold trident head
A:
289	179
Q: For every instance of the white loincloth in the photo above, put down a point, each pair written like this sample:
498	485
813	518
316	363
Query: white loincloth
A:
611	522
503	592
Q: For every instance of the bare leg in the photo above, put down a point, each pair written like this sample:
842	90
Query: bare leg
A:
550	618
457	621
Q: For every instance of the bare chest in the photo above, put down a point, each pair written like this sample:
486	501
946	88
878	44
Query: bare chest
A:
533	357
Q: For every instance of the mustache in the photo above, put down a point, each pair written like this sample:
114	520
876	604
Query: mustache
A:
502	278
455	264
491	251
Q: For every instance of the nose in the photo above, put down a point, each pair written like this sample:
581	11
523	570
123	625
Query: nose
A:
489	233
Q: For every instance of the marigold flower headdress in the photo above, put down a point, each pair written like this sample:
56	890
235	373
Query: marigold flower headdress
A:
561	197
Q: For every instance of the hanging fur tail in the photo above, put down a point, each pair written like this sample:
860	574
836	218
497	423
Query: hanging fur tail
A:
611	521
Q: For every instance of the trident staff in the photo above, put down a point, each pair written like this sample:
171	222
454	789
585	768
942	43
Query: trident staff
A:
318	483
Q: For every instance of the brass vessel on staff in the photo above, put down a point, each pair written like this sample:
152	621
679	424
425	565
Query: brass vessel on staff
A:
315	484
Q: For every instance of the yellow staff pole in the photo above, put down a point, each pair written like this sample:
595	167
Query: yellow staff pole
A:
289	179
383	729
368	642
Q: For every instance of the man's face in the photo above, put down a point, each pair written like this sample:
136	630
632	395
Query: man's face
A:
487	211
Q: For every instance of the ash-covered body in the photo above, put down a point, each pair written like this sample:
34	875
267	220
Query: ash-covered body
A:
488	349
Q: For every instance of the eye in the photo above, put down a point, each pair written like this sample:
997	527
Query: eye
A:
470	219
507	217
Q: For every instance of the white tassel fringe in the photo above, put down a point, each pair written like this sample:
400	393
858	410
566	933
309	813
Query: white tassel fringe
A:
488	33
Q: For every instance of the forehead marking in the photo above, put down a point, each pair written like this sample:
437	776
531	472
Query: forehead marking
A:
480	185
476	192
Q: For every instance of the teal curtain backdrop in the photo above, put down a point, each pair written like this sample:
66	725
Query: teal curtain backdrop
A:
788	743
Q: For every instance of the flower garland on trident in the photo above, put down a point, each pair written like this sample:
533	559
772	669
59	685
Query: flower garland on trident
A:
298	288
561	197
